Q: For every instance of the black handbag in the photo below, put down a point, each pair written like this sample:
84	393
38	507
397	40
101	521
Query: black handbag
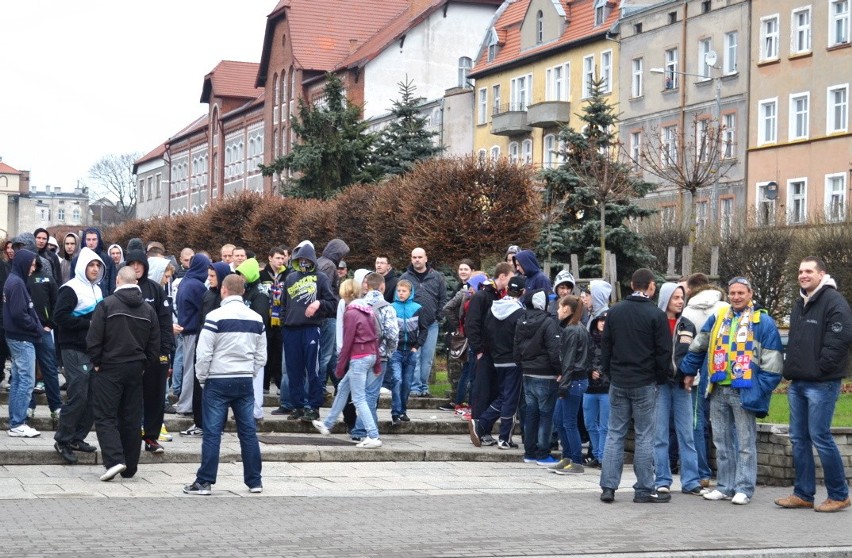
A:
456	345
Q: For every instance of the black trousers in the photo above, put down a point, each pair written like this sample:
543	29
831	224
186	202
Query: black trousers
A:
484	386
75	421
153	398
117	408
197	403
274	347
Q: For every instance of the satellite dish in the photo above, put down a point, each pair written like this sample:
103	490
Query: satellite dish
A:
710	58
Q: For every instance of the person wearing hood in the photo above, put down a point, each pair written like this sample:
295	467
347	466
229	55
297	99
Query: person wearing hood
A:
600	292
67	252
431	292
527	264
817	360
93	240
499	332
123	341
536	348
596	398
117	254
674	401
156	374
42	242
188	302
327	264
412	334
256	299
308	300
563	286
75	303
23	332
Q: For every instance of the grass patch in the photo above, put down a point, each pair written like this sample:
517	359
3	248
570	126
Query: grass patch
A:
779	410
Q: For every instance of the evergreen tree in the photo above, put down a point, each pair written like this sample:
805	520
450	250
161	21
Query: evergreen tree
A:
405	140
334	146
587	199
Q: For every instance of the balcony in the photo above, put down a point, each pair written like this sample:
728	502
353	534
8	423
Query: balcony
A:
510	120
548	114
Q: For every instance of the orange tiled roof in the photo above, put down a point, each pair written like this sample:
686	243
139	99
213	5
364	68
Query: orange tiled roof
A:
399	26
580	15
231	79
151	155
6	169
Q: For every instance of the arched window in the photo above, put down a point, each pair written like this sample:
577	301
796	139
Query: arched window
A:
495	152
549	151
465	65
526	151
539	27
513	152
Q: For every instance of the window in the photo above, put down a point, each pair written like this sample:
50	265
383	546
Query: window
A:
557	83
465	65
606	71
602	11
667	215
482	107
729	128
75	214
838	22
636	81
701	139
141	194
514	151
672	17
726	216
837	117
669	145
482	155
701	216
492	45
704	47
150	187
60	213
797	197
495	99
765	206
549	151
799	116
671	68
588	75
800	34
158	178
637	28
705	6
520	93
730	62
769	37
526	152
636	148
835	197
539	27
767	113
495	152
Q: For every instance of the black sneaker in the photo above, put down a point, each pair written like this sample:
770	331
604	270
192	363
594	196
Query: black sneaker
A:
488	440
199	488
170	410
65	452
80	445
296	414
608	495
447	407
395	420
654	497
310	415
153	446
282	411
404	418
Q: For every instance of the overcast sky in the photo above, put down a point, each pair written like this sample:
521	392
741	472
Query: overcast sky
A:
82	79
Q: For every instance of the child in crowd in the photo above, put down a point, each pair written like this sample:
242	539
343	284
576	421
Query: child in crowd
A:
412	334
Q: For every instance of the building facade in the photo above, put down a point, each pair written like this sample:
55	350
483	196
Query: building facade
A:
48	207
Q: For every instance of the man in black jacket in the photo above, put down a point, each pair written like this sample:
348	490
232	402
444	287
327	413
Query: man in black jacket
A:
123	339
816	362
636	354
156	374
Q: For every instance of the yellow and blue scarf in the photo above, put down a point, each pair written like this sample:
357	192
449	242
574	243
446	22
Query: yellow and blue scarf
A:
732	357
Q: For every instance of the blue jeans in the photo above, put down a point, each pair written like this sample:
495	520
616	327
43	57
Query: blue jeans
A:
639	404
327	360
565	420
675	399
403	365
700	413
373	389
540	394
736	459
216	397
463	389
23	356
301	352
596	417
177	366
424	365
46	357
355	382
811	409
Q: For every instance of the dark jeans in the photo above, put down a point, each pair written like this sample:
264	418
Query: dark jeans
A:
272	368
540	394
153	398
76	419
218	395
566	420
505	405
117	408
463	394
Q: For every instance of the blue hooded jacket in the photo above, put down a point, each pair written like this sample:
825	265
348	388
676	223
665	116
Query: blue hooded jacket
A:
412	329
19	317
536	280
191	293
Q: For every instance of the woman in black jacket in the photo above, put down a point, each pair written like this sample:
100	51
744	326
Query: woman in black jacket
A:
596	398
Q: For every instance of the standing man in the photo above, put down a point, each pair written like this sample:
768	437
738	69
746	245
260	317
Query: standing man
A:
226	254
231	350
93	240
271	283
42	239
189	298
430	292
123	338
817	359
185	257
636	353
383	268
240	256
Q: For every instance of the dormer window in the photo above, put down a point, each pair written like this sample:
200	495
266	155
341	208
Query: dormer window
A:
492	45
602	11
539	27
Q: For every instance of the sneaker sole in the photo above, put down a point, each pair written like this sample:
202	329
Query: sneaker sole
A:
474	437
197	492
113	471
23	435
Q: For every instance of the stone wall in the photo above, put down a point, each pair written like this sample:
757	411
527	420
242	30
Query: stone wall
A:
775	454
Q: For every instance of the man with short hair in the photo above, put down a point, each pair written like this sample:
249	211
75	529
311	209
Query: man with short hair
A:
185	256
226	254
636	351
123	338
93	240
383	268
816	363
231	350
239	256
42	240
430	291
271	283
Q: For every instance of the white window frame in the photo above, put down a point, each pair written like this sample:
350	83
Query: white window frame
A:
835	211
701	215
520	92
769	37
730	55
669	145
514	152
765	208
726	216
797	204
539	27
549	156
705	45
465	64
701	140
483	155
801	20
729	137
495	152
606	71
671	66
637	84
835	123
799	116
636	148
557	83
527	152
764	133
482	106
838	22
588	75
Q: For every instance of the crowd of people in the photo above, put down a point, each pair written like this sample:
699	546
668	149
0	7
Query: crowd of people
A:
129	327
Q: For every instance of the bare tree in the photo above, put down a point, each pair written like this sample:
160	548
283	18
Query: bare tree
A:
112	177
690	158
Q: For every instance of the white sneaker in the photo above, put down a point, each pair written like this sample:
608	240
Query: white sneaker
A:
740	499
321	427
30	412
24	431
369	443
663	489
717	495
113	471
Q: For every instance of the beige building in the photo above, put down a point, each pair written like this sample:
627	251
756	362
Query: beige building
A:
47	207
800	142
12	183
